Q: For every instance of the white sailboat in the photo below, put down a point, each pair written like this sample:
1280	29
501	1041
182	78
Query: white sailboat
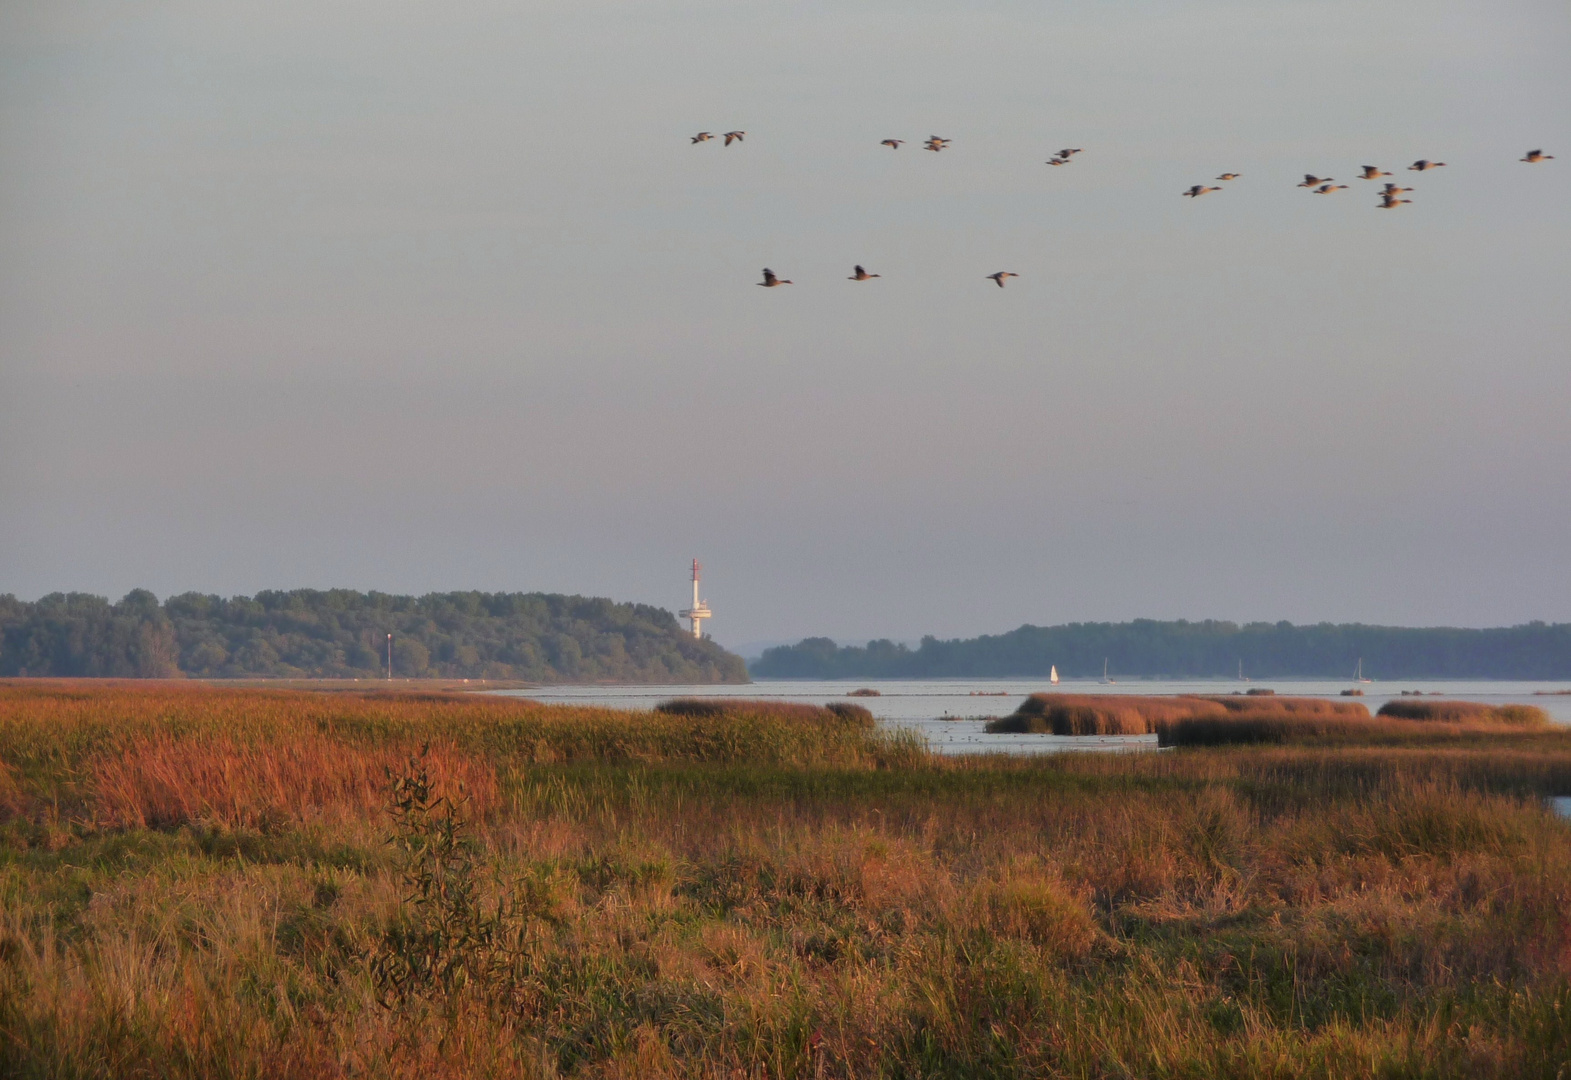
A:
1052	674
1241	677
1105	680
1358	675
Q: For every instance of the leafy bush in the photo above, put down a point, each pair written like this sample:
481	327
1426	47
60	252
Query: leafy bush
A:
448	939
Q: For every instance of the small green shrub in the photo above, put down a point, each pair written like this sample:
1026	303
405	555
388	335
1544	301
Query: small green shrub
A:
449	938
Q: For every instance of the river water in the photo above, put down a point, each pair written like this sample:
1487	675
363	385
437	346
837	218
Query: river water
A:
951	712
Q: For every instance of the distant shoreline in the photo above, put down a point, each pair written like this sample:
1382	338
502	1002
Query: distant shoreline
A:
1186	650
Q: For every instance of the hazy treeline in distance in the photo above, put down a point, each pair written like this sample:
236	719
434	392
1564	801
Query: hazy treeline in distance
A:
340	633
1147	647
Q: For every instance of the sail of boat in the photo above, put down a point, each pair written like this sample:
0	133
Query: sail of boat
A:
1052	674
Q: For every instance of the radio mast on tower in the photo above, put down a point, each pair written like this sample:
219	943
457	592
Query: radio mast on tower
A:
700	610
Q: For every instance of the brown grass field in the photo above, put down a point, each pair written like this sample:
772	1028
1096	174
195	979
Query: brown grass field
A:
203	881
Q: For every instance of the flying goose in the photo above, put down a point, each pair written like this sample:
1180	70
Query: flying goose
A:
1228	176
1000	277
893	144
1392	189
1390	202
1199	190
1326	189
1535	156
733	136
1424	166
1066	154
702	136
862	275
1311	180
1058	161
770	281
1372	172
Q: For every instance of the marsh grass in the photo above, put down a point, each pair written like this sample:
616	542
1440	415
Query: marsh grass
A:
1092	714
648	894
1465	712
1314	722
1108	714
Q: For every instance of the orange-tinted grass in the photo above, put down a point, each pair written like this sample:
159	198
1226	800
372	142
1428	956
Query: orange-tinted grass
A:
1110	714
1465	712
1094	714
1291	706
163	782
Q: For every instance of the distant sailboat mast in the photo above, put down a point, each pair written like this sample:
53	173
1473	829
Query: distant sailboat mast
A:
1241	670
1358	674
1105	679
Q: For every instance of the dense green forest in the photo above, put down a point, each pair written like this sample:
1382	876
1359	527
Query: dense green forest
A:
339	633
1146	647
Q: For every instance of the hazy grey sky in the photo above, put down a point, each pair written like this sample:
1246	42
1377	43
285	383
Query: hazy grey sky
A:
429	296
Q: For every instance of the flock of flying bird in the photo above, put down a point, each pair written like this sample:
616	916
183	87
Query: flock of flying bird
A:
1390	195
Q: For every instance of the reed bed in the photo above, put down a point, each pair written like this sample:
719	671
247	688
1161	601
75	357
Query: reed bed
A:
163	781
810	903
1272	705
1314	722
1107	714
1465	712
1095	714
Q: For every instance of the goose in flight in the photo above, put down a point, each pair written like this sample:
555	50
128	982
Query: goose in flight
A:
1372	172
1000	277
1228	176
862	275
893	144
1390	202
1393	190
733	136
1424	166
702	136
1068	153
1312	181
1058	161
1535	156
935	144
770	281
1326	189
1199	190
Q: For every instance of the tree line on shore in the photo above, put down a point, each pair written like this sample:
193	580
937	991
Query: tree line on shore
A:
340	633
1147	647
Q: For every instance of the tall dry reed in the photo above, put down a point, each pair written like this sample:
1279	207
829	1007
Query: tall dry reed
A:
1465	712
162	781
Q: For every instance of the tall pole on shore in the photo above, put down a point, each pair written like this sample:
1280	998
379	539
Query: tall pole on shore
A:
700	610
389	657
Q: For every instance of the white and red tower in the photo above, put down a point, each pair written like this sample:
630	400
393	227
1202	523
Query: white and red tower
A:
700	610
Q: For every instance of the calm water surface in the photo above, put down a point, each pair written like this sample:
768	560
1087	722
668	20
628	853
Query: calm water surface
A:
951	712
